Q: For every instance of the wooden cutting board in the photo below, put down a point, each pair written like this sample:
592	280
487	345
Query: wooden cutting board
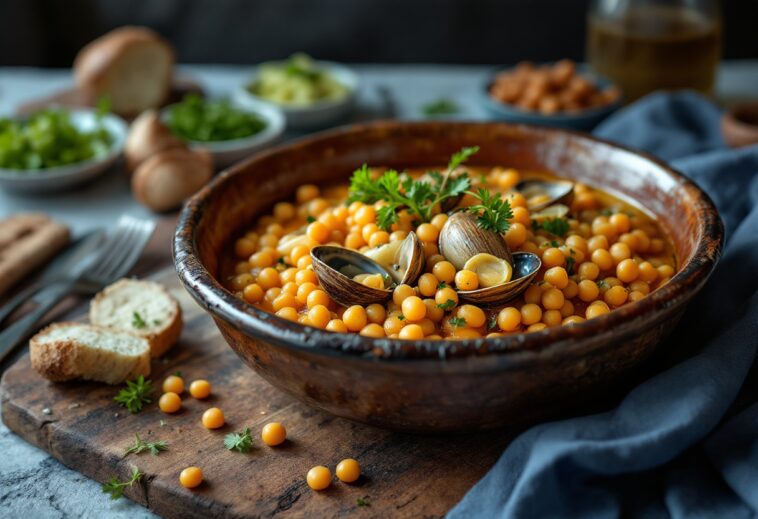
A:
403	475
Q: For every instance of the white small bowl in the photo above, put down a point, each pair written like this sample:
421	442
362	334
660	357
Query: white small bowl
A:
226	153
63	177
317	114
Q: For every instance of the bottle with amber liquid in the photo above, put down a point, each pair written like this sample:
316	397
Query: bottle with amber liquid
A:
649	45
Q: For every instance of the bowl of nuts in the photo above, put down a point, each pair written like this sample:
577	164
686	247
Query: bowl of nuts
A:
561	94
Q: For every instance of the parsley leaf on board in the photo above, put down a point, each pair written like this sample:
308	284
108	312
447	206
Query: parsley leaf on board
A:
240	442
136	394
115	488
140	445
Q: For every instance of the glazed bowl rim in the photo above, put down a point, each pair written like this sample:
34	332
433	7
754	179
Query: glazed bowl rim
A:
517	349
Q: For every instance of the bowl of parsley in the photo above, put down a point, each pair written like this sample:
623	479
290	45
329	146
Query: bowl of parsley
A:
55	149
230	132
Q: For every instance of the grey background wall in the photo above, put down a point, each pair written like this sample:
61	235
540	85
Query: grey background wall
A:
48	33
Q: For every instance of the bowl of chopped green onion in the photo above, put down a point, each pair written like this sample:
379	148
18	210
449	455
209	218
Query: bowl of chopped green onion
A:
55	149
312	94
230	132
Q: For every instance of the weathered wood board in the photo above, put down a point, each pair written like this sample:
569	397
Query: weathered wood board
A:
404	475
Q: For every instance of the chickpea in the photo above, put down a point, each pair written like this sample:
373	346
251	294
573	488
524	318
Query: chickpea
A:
393	325
427	284
213	418
319	316
170	402
466	280
411	331
376	313
552	299
557	276
317	297
588	290
413	308
173	384
306	193
337	326
319	478
200	389
355	318
603	259
595	310
509	319
553	257
439	220
627	270
191	477
348	470
516	235
444	271
473	315
530	314
288	313
552	317
533	294
427	232
402	292
446	294
273	434
433	312
615	296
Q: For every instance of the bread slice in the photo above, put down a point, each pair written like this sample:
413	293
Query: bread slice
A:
133	66
140	307
66	351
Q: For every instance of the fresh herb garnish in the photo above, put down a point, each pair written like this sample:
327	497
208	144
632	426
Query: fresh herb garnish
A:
363	501
606	212
198	119
447	305
310	219
418	197
602	284
441	284
178	374
401	317
141	446
157	322
555	226
457	322
440	106
138	321
492	323
493	211
240	442
136	394
115	488
570	262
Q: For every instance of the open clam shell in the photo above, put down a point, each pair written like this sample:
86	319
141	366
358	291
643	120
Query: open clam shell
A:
336	268
404	259
525	266
461	239
542	193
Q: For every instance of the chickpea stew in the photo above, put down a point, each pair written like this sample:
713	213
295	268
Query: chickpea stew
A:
470	252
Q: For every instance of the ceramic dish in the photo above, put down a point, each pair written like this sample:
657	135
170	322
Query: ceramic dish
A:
318	114
423	385
228	152
64	177
583	120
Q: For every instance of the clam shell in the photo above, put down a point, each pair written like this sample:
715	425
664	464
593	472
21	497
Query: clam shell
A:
525	266
461	238
556	190
406	262
335	268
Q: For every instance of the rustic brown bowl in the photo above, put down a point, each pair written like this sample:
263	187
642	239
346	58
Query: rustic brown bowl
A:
426	386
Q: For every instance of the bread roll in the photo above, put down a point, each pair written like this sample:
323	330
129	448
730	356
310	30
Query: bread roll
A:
166	179
133	66
148	136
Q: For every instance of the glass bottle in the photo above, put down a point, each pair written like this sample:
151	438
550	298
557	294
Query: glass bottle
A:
648	45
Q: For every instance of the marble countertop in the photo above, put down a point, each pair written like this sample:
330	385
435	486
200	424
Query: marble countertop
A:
32	483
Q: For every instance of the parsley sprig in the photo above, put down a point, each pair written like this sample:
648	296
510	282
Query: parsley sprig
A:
556	226
399	191
136	394
140	445
493	211
115	488
457	322
240	442
138	321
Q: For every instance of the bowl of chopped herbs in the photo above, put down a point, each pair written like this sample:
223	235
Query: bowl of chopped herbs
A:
226	129
54	149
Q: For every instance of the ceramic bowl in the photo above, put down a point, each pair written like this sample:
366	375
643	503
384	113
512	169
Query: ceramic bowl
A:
319	114
65	177
426	386
583	120
226	153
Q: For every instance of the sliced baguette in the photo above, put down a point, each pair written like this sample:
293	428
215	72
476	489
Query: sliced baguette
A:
133	66
140	307
66	351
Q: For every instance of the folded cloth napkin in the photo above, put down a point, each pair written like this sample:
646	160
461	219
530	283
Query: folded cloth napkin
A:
683	443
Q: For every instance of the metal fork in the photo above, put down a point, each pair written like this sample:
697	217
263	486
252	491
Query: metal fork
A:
117	255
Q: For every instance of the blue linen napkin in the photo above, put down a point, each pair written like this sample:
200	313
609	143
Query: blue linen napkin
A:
684	443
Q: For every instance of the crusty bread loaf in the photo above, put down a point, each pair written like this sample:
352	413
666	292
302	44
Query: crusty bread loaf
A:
66	351
133	66
143	308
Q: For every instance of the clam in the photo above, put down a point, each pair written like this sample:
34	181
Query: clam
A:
502	275
343	272
523	269
550	212
352	278
403	259
461	239
541	193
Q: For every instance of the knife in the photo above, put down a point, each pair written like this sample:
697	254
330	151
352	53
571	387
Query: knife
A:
70	259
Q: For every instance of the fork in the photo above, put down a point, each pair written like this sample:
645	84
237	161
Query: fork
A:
117	255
